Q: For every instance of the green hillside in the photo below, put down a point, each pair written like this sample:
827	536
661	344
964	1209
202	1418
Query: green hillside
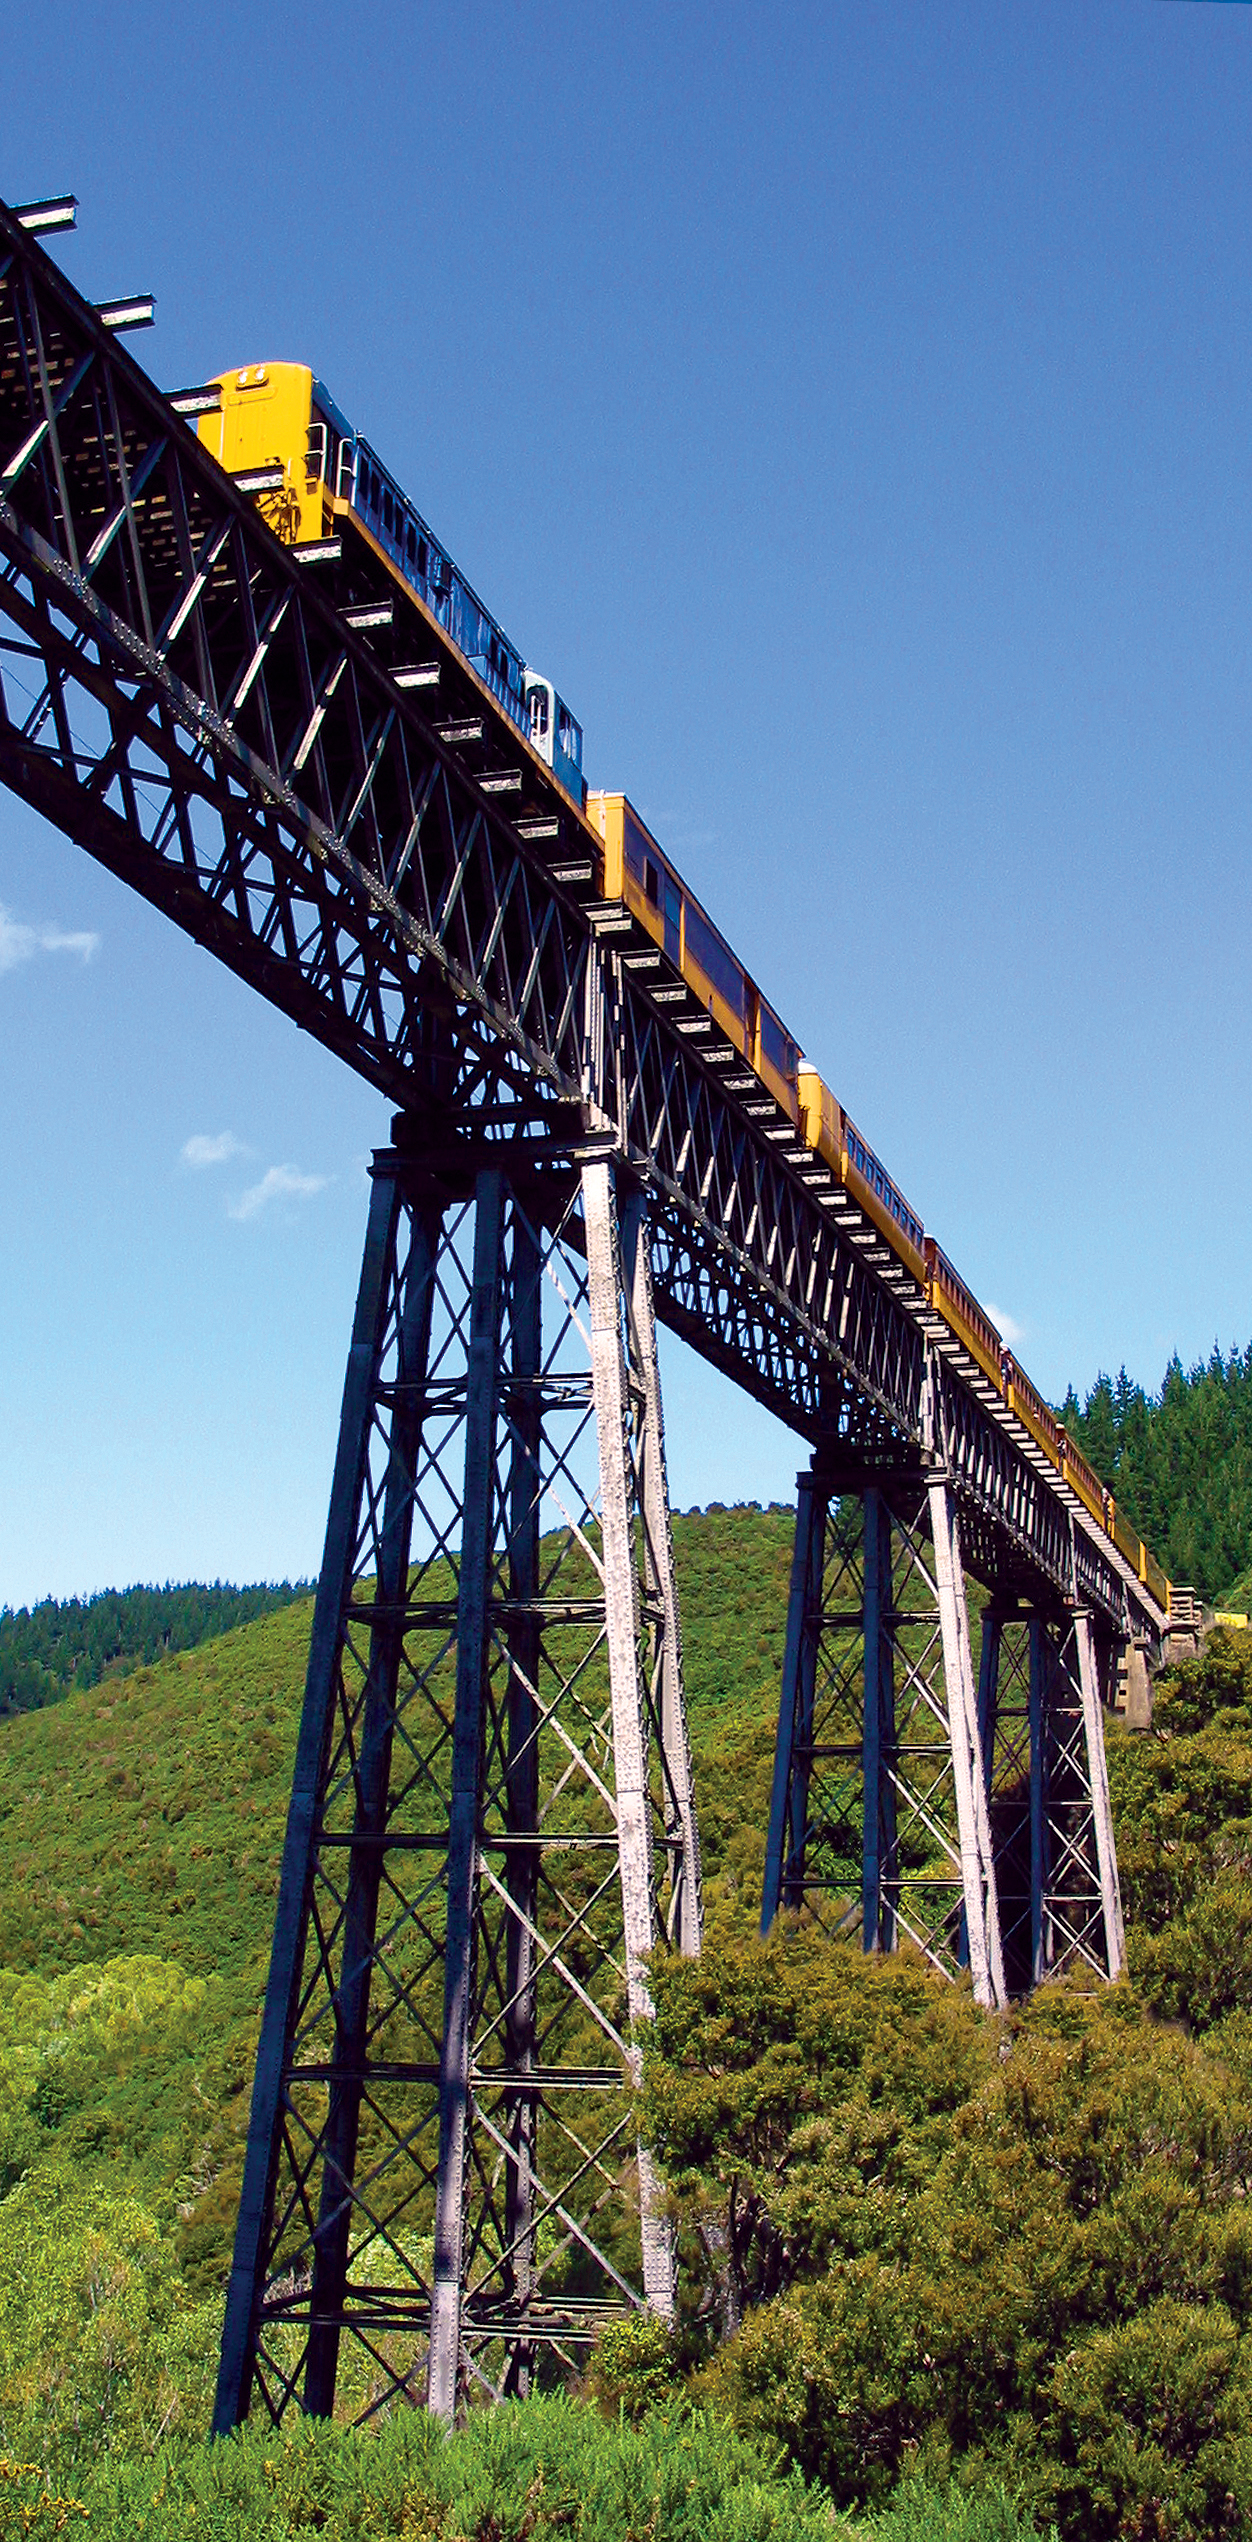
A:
147	1812
915	2240
144	1816
143	1813
64	1642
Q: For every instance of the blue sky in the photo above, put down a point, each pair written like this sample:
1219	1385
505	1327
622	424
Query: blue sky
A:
852	408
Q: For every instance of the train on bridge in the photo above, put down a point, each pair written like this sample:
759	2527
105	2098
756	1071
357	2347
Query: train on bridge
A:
206	640
277	426
282	436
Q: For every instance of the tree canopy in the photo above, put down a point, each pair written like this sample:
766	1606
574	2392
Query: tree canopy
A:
1180	1463
64	1642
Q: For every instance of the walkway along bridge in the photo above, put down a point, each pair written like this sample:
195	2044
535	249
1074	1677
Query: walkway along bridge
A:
492	1823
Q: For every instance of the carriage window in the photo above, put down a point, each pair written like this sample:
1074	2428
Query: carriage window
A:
636	863
715	959
652	882
777	1047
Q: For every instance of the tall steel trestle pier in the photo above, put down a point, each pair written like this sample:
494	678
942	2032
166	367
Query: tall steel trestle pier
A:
492	1821
913	1800
492	1824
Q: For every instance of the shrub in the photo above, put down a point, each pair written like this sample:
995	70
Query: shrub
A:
99	2349
634	2366
525	2472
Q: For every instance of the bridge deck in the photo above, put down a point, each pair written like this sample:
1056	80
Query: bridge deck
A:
218	719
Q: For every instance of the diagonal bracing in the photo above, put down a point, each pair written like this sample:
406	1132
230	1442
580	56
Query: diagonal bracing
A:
879	1823
911	1803
492	1822
181	693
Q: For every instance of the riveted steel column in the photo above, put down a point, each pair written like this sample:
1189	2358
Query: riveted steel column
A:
1040	1660
373	1770
988	1683
525	1420
1005	1724
878	1854
969	1782
238	2357
462	1856
621	1592
685	1915
788	1817
1101	1807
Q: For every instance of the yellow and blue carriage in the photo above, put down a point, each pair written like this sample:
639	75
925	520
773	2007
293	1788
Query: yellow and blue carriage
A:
282	436
277	427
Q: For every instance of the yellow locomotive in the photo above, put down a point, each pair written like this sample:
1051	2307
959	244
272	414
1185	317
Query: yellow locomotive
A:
281	434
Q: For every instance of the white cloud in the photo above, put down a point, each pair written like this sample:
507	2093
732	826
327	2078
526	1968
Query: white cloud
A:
20	943
1008	1329
218	1150
280	1182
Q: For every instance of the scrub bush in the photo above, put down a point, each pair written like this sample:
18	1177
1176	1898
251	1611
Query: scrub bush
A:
531	2471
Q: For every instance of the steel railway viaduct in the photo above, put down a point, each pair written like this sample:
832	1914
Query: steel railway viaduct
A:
492	1824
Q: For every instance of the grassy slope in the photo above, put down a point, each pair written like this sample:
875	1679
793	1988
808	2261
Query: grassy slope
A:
146	1815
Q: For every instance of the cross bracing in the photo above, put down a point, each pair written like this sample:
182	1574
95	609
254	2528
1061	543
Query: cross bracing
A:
182	695
492	1822
916	1797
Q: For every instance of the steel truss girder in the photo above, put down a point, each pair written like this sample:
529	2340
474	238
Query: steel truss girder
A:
541	1011
492	1821
178	695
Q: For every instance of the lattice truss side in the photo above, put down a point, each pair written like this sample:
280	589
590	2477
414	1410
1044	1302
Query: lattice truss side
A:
230	726
491	1825
879	1824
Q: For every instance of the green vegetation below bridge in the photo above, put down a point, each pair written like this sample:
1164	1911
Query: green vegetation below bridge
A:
918	2244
